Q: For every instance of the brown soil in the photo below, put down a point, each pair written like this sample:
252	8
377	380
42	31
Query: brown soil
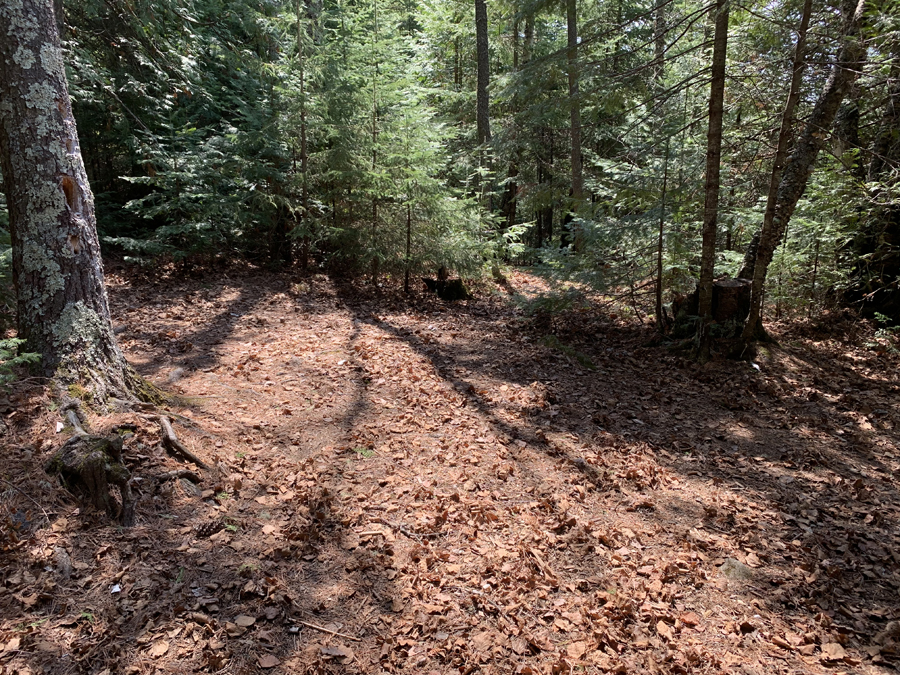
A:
404	485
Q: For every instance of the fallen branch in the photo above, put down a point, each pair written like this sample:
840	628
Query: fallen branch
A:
327	630
179	473
176	447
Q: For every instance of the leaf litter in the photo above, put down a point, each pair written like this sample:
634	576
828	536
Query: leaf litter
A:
444	489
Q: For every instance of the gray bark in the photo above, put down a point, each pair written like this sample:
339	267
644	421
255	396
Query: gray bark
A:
63	312
802	160
482	109
574	112
784	137
713	161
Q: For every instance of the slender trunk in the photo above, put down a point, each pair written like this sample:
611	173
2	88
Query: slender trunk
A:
528	49
375	62
815	272
784	137
63	313
659	39
515	45
660	323
482	116
713	162
574	114
408	247
304	151
457	73
800	165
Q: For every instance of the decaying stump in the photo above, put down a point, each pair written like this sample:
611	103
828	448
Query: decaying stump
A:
90	465
447	289
730	308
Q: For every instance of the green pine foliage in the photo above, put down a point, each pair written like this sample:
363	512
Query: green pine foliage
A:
341	134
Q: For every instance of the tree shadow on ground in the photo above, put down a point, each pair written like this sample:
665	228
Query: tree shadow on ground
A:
827	497
699	464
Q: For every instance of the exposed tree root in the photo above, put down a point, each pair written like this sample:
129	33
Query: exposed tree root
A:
90	464
175	447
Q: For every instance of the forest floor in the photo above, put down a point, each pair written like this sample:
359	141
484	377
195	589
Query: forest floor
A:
408	486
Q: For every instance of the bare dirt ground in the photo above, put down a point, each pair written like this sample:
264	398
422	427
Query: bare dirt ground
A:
407	486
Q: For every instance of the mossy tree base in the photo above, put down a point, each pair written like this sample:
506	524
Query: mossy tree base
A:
89	465
106	388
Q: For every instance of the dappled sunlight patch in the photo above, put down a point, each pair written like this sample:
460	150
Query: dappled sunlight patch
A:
395	486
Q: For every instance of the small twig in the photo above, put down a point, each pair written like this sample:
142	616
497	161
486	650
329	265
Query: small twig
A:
327	630
176	447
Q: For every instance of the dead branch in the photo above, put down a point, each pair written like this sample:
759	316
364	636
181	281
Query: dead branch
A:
327	630
176	447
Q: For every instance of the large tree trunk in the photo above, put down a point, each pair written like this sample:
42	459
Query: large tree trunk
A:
482	117
713	161
800	165
574	114
63	312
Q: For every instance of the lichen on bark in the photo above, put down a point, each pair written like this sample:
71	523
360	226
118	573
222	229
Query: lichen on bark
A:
63	312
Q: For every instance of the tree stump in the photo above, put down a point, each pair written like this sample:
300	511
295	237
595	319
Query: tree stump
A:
730	308
447	289
89	465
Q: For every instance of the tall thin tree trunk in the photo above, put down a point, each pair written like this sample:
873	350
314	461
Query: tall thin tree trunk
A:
713	162
800	165
63	312
457	72
528	49
659	40
408	260
304	150
375	64
482	108
784	137
660	323
574	114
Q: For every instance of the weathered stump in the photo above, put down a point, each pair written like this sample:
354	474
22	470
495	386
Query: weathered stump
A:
730	308
90	465
447	289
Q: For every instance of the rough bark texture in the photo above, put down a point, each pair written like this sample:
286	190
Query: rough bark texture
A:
713	157
730	306
304	151
784	137
90	465
63	312
802	160
482	115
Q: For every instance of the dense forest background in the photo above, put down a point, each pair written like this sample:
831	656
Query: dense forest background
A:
389	137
